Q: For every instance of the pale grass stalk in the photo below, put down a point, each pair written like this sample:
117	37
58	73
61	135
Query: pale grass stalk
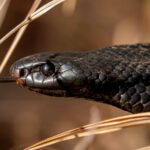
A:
18	36
2	4
3	9
32	15
144	148
111	121
101	127
41	11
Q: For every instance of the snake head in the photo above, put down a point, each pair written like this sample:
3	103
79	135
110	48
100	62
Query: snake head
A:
49	74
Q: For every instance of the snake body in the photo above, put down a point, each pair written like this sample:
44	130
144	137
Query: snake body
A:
117	75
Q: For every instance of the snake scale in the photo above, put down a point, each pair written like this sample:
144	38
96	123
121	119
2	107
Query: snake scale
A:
117	75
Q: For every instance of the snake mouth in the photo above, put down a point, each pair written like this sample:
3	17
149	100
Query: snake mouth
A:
20	82
58	93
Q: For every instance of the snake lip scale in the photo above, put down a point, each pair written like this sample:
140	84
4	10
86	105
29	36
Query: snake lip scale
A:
117	75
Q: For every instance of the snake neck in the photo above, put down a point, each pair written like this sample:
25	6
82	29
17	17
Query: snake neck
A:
130	94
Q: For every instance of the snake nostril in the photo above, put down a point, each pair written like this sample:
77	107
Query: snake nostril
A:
23	72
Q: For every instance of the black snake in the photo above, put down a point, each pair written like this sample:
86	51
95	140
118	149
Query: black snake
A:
118	75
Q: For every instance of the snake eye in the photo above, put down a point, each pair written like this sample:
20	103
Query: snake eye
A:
48	69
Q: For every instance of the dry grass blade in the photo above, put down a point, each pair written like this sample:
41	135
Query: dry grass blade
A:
102	127
42	10
18	36
3	9
45	9
144	148
2	4
32	15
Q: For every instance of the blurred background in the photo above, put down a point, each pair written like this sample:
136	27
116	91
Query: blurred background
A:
26	117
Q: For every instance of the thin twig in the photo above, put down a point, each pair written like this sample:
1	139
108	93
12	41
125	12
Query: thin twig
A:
42	10
18	36
32	15
102	127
